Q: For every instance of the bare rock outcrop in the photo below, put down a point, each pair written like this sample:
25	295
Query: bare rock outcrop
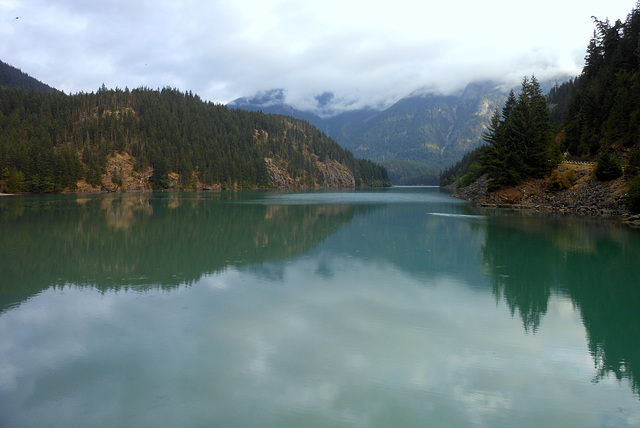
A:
335	175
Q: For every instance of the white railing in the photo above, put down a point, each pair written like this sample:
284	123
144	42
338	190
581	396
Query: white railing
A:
579	162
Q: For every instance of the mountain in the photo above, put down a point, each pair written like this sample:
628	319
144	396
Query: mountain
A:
434	130
416	137
274	102
122	140
11	77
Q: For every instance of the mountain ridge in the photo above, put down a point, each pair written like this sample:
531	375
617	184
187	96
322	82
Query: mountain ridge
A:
122	140
12	77
418	136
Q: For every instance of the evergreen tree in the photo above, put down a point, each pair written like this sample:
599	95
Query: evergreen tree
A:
519	141
594	58
633	199
49	141
608	167
605	108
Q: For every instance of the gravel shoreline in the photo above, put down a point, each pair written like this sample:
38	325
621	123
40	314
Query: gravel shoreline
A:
587	196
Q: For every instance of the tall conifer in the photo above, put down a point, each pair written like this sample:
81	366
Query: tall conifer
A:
519	140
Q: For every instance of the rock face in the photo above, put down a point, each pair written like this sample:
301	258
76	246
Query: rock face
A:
334	175
119	176
586	195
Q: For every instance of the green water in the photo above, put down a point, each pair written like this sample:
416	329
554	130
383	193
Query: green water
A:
400	307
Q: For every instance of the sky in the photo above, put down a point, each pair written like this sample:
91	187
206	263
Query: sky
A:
368	53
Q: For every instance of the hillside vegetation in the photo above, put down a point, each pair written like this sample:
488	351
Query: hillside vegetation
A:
596	115
133	140
415	138
11	77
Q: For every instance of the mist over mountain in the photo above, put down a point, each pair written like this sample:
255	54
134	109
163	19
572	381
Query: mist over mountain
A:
415	138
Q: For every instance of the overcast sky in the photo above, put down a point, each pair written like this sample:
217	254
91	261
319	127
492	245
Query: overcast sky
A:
367	52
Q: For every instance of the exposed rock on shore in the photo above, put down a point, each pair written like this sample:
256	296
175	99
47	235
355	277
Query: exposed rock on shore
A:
586	196
334	174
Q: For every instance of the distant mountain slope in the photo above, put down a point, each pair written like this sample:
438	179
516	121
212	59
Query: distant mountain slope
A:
11	77
431	131
117	140
415	138
273	102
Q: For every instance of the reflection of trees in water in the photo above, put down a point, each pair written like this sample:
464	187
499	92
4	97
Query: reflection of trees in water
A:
149	240
520	271
595	265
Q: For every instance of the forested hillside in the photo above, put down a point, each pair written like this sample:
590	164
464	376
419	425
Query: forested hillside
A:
604	110
126	140
11	77
519	143
597	116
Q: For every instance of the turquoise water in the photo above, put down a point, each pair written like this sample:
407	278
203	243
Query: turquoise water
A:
395	307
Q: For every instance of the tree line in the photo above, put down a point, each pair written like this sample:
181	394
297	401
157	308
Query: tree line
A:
519	143
50	141
594	117
604	106
11	77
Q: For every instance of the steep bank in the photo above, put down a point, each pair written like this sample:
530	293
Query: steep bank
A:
586	195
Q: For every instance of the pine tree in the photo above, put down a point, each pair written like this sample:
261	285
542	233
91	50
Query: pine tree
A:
519	139
594	58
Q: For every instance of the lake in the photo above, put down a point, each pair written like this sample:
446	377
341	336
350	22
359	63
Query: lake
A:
393	307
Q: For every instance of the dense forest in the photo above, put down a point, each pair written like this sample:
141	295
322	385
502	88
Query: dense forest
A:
519	140
51	142
519	143
596	117
11	77
604	107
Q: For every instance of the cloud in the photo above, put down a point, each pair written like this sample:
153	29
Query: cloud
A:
366	53
352	349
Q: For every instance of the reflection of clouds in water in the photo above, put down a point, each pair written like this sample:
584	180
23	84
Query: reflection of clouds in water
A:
480	403
370	345
407	338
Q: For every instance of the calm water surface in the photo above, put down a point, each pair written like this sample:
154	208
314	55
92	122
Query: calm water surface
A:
400	307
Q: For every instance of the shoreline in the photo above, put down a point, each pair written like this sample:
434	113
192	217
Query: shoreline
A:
623	216
105	191
587	196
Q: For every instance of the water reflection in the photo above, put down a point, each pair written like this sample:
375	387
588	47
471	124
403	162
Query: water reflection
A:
143	240
365	308
596	265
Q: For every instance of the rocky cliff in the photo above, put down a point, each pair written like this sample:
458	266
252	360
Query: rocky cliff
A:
332	174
